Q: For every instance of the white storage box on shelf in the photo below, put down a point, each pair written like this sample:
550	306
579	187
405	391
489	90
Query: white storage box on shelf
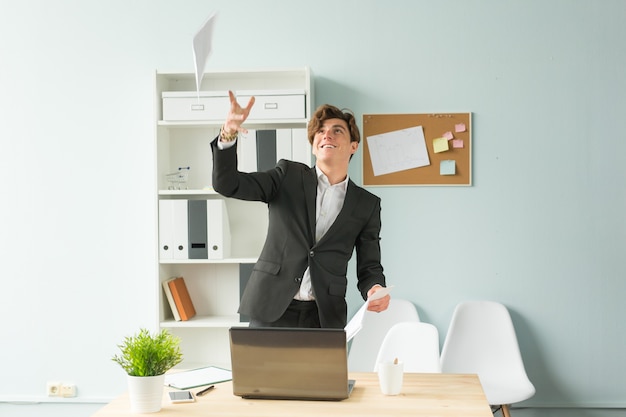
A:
274	105
189	106
214	105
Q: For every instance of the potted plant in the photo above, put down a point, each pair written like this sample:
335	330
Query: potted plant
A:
146	357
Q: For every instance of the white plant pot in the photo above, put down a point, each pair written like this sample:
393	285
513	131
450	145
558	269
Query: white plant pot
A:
146	393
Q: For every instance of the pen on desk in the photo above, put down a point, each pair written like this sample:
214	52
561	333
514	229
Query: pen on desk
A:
204	391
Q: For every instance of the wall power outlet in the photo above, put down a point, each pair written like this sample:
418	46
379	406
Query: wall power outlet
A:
53	388
68	390
60	389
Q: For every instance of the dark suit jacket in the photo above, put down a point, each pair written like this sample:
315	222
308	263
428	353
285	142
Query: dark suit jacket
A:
289	189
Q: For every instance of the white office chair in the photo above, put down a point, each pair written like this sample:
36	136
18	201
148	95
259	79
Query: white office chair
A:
366	343
481	340
414	343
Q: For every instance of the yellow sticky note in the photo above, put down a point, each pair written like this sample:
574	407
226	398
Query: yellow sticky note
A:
440	145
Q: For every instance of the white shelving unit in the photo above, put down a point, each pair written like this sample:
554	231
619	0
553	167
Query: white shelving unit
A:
214	284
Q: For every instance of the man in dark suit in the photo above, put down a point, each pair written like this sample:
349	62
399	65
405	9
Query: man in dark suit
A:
317	218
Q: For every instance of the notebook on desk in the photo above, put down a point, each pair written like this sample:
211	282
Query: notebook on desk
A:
289	363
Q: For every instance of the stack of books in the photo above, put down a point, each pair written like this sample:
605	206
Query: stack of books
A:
179	298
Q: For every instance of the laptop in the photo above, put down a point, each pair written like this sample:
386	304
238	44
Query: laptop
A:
290	363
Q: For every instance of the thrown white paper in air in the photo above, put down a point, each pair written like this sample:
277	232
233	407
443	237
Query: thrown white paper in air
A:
202	48
356	322
398	150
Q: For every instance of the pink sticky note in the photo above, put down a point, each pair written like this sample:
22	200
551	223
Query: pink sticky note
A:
457	143
448	135
459	127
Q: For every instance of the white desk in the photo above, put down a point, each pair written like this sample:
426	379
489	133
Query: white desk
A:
432	395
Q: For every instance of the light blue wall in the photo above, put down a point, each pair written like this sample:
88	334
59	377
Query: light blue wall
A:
542	229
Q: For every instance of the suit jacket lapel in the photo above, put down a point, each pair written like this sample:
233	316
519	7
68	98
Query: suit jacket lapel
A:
310	194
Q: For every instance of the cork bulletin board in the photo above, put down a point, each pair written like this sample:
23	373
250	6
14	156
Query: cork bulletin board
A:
417	149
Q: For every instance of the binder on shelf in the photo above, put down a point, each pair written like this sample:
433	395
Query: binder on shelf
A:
246	151
170	299
283	144
182	299
179	223
173	233
197	229
218	229
265	149
301	150
245	270
166	234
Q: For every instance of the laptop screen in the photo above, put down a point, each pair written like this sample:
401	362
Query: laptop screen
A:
289	363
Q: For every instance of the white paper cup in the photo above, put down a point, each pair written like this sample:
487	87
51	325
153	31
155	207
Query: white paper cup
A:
390	376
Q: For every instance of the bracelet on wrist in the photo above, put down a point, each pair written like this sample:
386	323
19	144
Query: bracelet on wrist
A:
226	137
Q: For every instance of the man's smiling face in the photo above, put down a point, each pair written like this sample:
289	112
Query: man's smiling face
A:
332	142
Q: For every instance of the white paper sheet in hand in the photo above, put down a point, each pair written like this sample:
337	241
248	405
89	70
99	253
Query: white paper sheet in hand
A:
202	48
356	323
